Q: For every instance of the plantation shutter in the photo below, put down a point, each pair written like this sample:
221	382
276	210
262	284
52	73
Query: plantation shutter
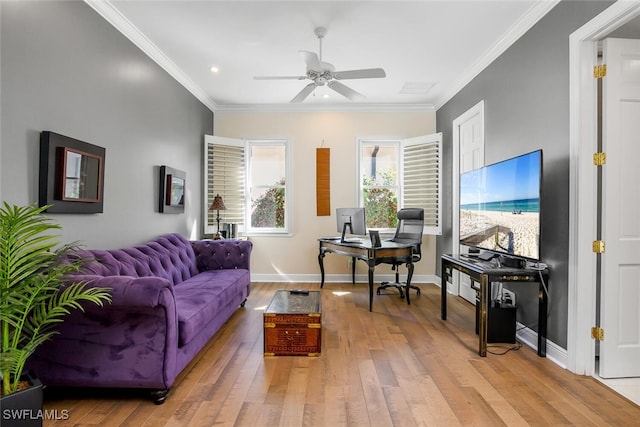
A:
422	178
225	175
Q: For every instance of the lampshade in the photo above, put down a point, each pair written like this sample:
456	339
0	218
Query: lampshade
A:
218	204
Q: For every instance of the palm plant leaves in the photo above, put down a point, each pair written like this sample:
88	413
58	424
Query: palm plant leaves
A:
33	294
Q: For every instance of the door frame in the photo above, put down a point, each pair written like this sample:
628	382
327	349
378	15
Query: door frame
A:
582	292
455	186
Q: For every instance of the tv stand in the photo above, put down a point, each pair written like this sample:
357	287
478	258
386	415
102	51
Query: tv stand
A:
484	273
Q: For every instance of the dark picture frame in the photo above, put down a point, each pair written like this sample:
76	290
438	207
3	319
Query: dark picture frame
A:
71	175
172	190
374	235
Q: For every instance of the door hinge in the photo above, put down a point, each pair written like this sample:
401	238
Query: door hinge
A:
598	246
597	333
599	71
599	158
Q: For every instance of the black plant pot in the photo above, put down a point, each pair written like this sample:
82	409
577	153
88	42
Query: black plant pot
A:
23	408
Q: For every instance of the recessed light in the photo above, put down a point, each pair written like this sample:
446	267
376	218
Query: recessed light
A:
214	69
325	96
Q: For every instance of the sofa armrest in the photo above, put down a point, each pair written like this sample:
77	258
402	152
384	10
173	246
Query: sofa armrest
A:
133	291
131	342
222	254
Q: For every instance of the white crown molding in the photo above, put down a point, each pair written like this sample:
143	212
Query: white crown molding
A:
304	108
112	15
528	20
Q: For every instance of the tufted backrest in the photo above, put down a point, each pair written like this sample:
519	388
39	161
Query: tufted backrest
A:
222	254
170	256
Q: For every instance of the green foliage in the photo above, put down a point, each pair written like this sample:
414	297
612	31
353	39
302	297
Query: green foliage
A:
268	210
33	299
380	203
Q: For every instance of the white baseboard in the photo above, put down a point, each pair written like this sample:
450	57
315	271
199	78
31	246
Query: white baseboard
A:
338	278
529	337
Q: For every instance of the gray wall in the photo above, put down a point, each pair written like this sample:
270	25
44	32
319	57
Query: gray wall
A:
526	94
65	69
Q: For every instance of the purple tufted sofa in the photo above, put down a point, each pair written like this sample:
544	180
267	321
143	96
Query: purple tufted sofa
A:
170	296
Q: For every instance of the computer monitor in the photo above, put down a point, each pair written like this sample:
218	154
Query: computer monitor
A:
351	221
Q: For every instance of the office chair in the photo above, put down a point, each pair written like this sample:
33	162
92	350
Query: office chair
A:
409	230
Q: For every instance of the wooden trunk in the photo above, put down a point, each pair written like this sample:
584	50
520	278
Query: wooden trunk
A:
293	325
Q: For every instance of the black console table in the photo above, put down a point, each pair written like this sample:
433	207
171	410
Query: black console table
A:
485	273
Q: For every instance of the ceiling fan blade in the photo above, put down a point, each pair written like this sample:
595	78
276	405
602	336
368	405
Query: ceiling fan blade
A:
367	73
312	61
345	90
304	93
279	77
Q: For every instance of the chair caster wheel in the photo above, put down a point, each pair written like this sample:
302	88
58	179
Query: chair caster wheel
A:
418	292
378	291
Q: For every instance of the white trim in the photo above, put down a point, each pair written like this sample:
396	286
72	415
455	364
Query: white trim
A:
338	278
287	231
582	175
529	337
113	16
477	109
528	20
309	107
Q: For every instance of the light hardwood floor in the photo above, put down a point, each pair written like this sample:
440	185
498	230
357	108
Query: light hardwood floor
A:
396	366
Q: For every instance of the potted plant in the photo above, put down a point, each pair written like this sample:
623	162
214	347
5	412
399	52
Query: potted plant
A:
34	297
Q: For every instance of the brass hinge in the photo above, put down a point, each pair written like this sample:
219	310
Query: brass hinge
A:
599	71
597	333
598	246
269	325
314	326
599	158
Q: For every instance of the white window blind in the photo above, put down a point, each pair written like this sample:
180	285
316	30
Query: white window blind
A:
422	178
225	175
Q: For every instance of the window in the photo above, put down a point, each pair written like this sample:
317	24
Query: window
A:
251	177
268	187
395	174
379	186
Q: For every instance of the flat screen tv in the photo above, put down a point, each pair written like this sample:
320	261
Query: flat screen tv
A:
351	221
500	207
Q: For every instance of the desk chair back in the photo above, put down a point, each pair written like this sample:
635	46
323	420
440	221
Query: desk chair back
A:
409	229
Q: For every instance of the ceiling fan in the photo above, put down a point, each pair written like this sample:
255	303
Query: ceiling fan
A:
321	73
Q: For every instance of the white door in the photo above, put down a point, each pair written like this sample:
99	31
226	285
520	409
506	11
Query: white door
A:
620	289
470	134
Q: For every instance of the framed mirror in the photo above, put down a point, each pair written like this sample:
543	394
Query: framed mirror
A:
81	176
71	175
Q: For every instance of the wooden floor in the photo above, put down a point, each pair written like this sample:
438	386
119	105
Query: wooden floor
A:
396	366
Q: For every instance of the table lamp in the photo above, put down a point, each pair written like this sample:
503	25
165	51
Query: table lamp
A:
218	205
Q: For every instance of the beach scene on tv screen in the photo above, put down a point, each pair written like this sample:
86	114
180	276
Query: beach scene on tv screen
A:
500	207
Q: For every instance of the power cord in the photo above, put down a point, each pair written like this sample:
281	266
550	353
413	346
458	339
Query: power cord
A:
506	349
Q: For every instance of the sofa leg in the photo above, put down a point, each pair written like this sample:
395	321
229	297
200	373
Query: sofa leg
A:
243	303
159	396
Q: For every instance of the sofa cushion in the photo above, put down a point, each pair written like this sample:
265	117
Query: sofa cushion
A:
199	298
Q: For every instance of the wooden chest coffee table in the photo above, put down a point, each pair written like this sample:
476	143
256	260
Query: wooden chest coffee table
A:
292	324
